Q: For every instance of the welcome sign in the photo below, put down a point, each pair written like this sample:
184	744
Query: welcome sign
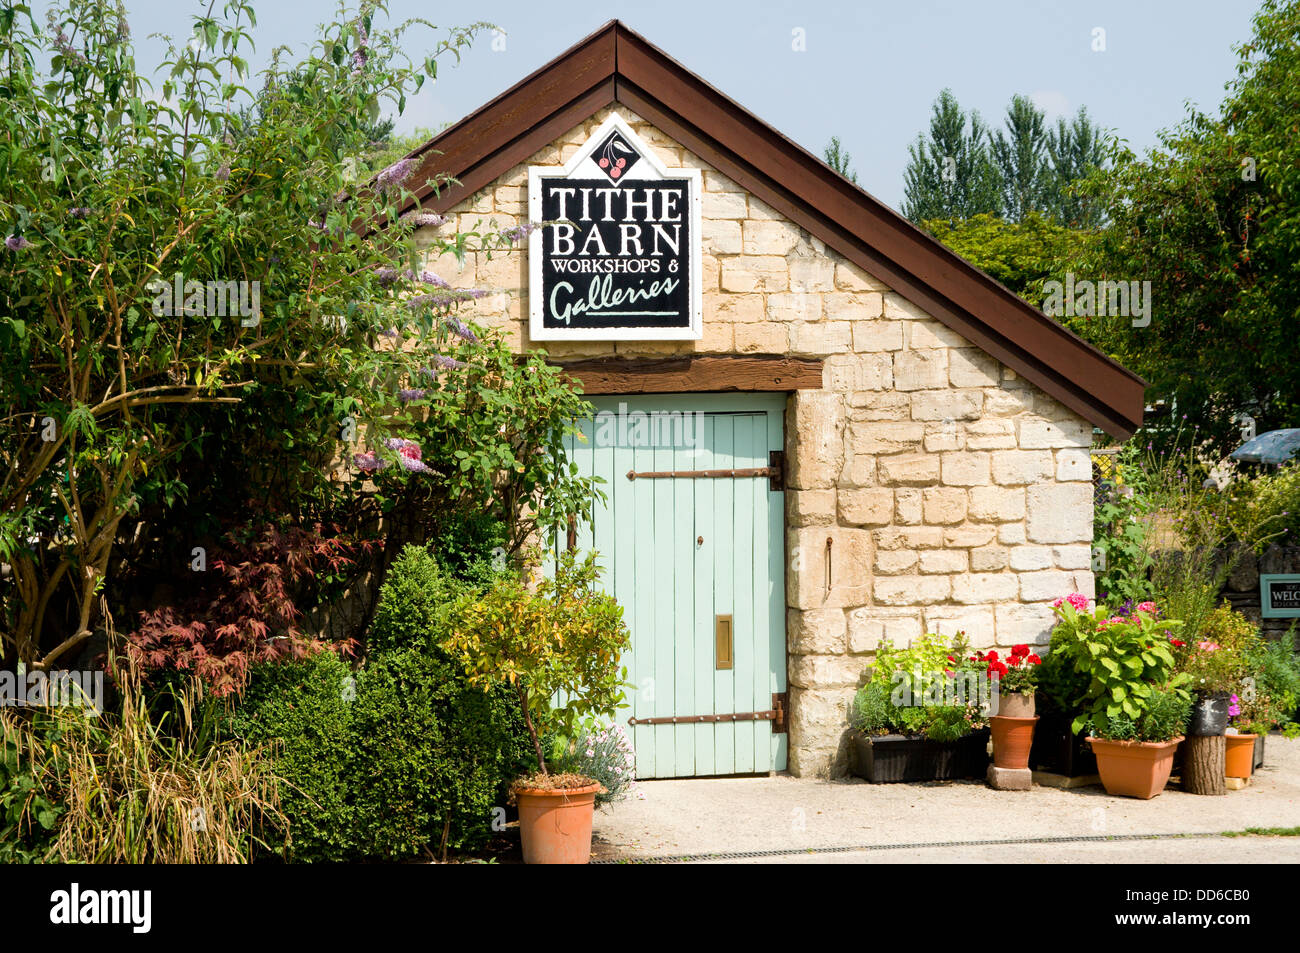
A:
622	261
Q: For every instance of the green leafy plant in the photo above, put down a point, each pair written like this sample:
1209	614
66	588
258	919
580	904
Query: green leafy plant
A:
557	648
1216	661
1125	659
929	688
603	753
1163	717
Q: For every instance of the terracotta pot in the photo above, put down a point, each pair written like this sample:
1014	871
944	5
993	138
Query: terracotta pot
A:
555	826
1134	768
1012	739
1239	761
1016	704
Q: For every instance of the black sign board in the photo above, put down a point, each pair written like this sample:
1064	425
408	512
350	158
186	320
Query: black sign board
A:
1279	596
622	260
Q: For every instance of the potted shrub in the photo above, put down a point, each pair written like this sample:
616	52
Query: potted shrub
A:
559	649
1215	664
1061	688
1013	725
1136	753
920	716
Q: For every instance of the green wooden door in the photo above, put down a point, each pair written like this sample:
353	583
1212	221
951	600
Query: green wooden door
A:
678	553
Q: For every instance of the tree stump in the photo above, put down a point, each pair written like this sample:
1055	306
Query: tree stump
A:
1203	765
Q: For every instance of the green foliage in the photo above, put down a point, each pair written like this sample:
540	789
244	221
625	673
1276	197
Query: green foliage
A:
1271	696
1021	255
1216	660
1266	508
839	160
413	601
1163	717
1125	661
912	690
27	814
558	647
1212	220
951	175
1120	529
385	761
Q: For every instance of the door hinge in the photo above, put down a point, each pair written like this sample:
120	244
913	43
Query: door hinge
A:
776	470
780	705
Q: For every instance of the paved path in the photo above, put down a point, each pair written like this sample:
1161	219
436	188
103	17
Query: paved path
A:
782	818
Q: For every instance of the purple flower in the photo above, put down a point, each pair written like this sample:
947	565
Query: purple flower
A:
397	173
223	173
419	219
79	212
442	363
386	275
390	333
428	278
408	394
519	232
369	462
17	243
460	329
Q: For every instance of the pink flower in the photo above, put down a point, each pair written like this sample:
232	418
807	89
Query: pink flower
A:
1148	607
1076	599
1208	646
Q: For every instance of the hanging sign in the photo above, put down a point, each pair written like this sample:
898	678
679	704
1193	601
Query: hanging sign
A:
623	261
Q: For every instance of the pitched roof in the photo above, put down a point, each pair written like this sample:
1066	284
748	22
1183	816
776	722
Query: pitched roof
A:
616	65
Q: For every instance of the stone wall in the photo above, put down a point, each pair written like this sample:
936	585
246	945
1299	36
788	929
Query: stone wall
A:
1241	589
945	492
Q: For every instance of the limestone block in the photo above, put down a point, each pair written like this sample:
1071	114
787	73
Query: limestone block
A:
736	308
1031	558
869	626
993	433
893	562
810	507
816	631
922	334
1011	534
762	338
1030	624
996	504
850	277
942	436
944	506
1018	467
825	671
828	567
984	587
855	373
729	205
820	338
874	405
966	537
877	336
989	558
896	306
947	405
815	439
971	367
885	436
943	561
1059	513
917	537
1037	434
812	275
769	237
909	469
867	507
1045	585
1072	557
921	370
755	273
801	307
1003	402
911	590
1009	779
1073	464
966	468
718	237
976	621
717	182
907	507
845	306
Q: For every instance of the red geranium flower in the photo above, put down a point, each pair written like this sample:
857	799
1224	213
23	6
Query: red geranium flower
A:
1019	651
1033	659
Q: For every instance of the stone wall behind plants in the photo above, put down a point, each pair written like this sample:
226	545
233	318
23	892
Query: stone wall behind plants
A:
1242	586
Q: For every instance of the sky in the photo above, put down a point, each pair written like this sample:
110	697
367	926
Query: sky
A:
867	72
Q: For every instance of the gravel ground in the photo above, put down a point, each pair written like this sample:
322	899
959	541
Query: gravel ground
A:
793	816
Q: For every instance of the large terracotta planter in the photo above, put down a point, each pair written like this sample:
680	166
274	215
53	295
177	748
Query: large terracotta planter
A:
555	826
1134	768
1239	762
1016	705
1012	739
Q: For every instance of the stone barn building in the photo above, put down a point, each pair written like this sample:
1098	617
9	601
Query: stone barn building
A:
879	439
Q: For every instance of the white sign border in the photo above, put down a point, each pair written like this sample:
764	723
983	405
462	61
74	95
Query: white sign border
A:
536	330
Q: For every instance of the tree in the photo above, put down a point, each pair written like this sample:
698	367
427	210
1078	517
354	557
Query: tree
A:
839	160
1021	157
1076	148
169	265
950	175
1211	218
1020	255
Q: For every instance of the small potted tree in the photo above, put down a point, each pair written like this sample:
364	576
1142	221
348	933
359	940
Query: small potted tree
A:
1013	725
559	649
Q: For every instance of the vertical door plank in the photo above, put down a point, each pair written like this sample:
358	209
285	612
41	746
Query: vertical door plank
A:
724	556
742	569
683	557
776	585
702	492
661	546
640	522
